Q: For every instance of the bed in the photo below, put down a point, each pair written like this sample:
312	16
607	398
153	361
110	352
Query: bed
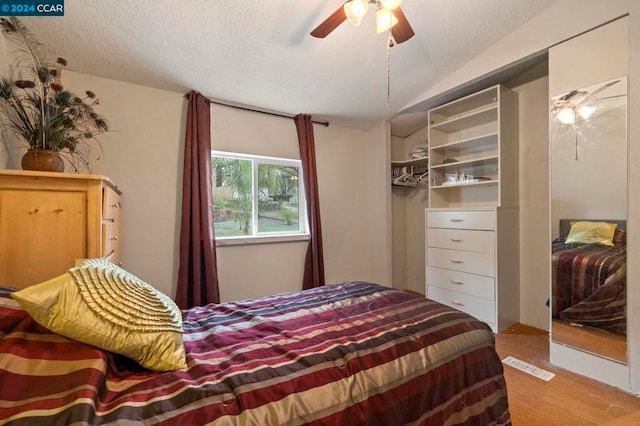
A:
589	280
344	354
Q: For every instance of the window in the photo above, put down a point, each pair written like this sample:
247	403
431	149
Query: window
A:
257	199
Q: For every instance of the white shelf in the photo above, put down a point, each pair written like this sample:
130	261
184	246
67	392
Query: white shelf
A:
471	162
461	184
479	143
471	119
466	104
475	136
405	185
422	161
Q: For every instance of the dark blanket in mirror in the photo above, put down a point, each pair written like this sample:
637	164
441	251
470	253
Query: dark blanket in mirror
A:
589	282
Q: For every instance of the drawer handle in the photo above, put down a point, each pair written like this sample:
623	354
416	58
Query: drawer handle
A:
456	261
456	219
456	240
457	303
116	205
114	238
457	282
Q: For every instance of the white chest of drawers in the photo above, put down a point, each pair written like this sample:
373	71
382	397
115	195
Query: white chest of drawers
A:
472	262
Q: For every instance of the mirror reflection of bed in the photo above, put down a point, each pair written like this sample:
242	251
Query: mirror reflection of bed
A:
589	162
589	288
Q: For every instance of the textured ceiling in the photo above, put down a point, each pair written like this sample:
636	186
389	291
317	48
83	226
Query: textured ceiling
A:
260	53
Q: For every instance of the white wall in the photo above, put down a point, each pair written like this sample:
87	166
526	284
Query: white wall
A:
408	222
143	155
534	193
399	221
416	201
353	205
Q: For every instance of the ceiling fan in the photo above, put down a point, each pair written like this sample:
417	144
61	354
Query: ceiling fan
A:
577	102
389	16
578	105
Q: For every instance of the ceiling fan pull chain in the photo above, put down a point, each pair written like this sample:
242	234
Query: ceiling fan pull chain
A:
389	46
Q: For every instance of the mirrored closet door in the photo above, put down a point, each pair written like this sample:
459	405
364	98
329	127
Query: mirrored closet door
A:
588	153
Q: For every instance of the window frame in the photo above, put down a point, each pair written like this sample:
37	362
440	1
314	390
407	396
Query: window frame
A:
302	234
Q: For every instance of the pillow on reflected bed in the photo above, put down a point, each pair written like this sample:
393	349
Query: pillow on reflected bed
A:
592	233
101	304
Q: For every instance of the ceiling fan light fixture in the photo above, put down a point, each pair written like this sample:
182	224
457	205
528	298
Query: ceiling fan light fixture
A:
585	111
355	10
390	4
566	115
385	20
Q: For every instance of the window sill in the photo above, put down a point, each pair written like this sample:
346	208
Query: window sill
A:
266	239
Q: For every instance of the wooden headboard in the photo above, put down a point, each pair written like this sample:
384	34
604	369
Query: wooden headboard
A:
565	224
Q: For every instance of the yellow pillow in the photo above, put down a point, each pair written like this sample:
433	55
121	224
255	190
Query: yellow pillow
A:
101	304
592	233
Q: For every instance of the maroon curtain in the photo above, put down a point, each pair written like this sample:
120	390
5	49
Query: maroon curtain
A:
198	275
314	263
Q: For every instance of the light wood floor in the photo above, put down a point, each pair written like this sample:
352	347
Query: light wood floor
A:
591	340
568	398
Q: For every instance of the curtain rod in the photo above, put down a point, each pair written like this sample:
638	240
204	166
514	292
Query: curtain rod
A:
275	114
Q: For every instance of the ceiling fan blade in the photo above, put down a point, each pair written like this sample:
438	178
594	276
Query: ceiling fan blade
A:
401	31
579	97
330	24
603	87
606	98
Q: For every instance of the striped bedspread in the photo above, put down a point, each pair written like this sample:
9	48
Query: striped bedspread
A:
347	354
589	282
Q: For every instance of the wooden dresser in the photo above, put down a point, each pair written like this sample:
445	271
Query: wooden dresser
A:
48	220
472	262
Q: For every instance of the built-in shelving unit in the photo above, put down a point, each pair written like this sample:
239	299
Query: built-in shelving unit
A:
471	230
472	146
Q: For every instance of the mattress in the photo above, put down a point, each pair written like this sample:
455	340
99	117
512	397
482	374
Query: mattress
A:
352	353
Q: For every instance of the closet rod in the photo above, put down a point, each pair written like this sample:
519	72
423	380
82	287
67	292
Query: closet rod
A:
273	113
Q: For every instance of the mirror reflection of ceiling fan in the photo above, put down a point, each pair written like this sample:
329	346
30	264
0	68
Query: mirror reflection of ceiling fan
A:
576	104
389	16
